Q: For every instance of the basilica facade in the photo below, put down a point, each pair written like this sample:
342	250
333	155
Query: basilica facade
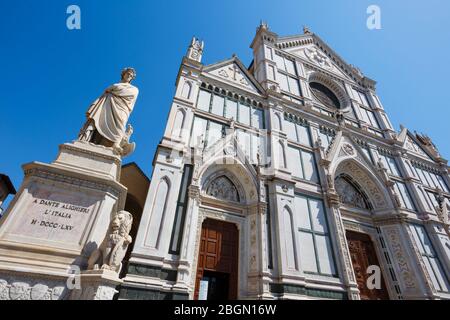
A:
286	180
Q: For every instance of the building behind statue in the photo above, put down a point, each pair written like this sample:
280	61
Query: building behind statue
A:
286	180
6	188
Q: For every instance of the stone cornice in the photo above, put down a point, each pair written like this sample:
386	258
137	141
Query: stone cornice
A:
92	149
73	178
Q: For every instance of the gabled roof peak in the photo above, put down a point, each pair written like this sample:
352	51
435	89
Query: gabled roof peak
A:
245	73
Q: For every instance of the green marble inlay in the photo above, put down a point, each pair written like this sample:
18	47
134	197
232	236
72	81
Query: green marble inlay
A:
279	288
147	294
152	271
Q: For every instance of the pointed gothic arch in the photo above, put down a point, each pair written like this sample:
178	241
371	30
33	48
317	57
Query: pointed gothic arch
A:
366	181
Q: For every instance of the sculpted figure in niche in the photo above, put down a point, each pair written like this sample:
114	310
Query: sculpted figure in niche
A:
111	251
108	115
383	171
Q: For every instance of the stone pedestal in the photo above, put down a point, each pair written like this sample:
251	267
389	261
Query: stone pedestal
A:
60	214
96	285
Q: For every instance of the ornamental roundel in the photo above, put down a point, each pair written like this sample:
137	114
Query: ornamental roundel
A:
316	56
348	149
230	150
194	54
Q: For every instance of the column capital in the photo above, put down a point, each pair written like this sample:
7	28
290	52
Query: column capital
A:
194	192
333	199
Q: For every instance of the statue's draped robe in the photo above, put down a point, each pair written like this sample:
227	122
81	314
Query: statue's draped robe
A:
110	112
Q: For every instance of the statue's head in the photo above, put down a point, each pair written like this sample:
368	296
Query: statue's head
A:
128	75
121	222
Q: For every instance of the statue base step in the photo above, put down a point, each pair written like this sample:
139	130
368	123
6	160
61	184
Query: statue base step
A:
96	285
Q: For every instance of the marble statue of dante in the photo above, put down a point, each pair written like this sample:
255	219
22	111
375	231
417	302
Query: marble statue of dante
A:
108	115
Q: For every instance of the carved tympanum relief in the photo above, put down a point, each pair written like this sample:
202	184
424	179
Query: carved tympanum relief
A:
222	188
350	194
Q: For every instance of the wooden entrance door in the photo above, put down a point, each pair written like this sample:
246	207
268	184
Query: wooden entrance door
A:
218	259
363	255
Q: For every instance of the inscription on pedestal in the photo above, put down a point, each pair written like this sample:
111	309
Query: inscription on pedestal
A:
54	215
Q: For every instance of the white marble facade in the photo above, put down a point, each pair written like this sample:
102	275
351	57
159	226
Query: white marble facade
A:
262	147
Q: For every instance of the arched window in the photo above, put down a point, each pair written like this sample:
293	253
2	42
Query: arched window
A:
186	92
289	239
222	188
277	122
158	212
177	129
324	95
349	193
281	155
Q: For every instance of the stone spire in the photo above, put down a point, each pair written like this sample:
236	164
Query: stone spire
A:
263	25
195	50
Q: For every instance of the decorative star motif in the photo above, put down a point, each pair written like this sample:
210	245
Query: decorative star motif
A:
234	74
318	57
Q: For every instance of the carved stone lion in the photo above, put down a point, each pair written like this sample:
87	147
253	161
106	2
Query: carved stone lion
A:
110	253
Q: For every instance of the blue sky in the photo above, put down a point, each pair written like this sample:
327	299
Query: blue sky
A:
50	74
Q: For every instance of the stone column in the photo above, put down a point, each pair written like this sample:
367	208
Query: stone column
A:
255	254
263	234
343	252
192	227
